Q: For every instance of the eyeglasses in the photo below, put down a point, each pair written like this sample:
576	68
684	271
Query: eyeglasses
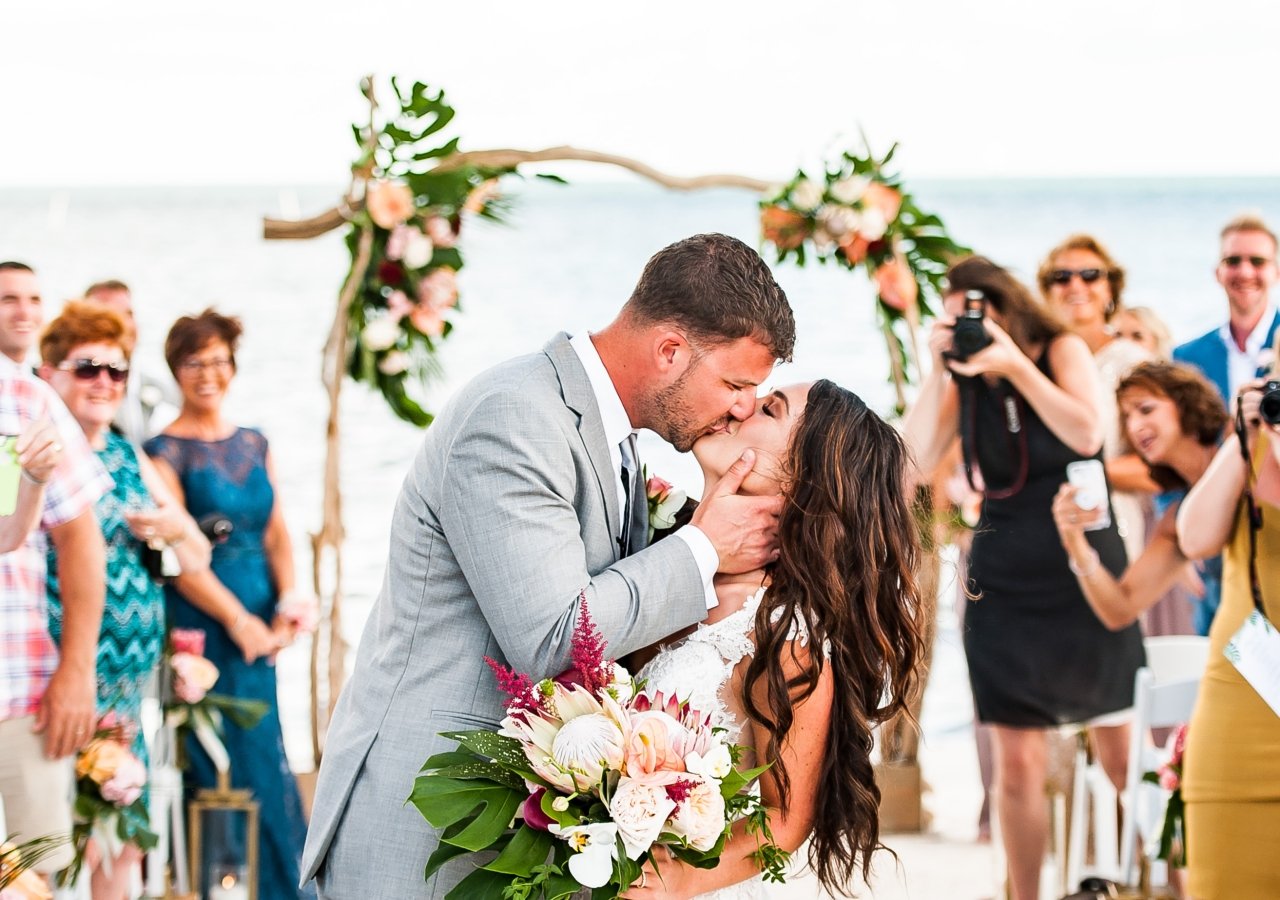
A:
1232	262
1063	276
89	369
199	365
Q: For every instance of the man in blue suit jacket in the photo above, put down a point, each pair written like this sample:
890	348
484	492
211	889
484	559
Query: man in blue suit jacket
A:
1232	355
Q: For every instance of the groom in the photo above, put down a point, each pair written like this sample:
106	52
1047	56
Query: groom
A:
525	493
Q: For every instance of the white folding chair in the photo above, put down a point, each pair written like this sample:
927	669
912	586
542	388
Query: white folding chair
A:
1164	695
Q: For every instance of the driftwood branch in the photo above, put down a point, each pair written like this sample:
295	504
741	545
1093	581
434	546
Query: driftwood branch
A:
286	229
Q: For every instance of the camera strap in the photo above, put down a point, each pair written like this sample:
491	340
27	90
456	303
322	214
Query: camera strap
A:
1015	436
1254	513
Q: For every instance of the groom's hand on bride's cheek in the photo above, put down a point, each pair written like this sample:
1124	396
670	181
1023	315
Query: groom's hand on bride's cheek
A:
744	530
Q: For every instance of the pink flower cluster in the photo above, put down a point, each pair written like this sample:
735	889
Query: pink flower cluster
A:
193	675
119	774
1170	773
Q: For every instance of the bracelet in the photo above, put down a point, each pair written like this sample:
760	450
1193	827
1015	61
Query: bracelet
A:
1094	562
33	479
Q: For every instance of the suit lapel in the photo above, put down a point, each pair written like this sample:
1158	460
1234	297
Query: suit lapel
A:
578	396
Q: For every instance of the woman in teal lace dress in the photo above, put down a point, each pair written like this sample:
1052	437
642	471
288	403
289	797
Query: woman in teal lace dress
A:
223	473
83	358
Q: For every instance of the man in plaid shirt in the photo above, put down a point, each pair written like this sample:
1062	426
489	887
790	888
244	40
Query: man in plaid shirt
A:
46	696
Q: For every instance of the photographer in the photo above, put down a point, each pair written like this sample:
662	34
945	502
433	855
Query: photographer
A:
1231	775
1021	393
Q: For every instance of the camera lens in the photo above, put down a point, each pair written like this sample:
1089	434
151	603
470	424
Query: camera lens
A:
1269	408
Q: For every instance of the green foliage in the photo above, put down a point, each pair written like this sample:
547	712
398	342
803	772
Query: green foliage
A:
414	212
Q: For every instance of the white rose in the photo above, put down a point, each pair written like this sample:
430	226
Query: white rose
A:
664	516
838	221
640	811
806	195
873	225
417	249
587	746
394	363
850	190
623	687
700	819
381	334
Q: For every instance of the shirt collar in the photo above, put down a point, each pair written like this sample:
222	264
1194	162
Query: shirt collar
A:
1253	343
617	424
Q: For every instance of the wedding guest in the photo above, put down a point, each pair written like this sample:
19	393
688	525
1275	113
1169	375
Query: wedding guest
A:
1141	325
1175	417
1084	285
1235	353
84	357
1231	771
801	660
1025	405
46	692
149	402
218	469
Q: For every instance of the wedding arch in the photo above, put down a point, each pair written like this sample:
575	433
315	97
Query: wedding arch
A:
410	195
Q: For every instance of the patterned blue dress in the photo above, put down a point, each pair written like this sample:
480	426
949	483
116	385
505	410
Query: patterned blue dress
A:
132	633
229	478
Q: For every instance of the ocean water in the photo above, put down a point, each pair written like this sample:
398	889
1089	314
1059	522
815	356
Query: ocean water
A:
566	260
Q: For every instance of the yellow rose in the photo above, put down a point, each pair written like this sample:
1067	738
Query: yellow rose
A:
100	760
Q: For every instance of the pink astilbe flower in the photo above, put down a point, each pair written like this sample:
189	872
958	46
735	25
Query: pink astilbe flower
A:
594	669
518	686
678	791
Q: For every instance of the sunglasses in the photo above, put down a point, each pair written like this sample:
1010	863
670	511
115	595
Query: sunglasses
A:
1063	276
1233	262
89	369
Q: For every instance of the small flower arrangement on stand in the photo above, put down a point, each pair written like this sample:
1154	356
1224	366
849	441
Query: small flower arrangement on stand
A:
586	775
188	703
1172	847
109	804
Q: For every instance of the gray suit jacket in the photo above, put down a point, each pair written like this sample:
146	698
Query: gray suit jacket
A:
508	512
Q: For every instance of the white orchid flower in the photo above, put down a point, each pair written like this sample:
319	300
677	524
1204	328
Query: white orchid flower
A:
594	849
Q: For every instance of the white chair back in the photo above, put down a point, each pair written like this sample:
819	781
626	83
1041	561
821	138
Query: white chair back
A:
1164	694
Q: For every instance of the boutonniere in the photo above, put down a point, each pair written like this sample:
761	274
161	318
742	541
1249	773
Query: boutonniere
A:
664	502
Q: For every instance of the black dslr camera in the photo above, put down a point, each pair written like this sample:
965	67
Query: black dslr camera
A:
969	335
1269	407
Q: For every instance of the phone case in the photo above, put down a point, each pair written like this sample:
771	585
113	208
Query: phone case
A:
1090	481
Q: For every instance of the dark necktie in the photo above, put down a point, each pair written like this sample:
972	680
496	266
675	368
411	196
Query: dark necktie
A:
630	466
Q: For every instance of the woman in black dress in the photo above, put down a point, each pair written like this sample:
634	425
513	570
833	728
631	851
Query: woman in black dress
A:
1024	406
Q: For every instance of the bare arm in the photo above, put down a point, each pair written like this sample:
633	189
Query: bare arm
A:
205	592
802	754
173	524
67	710
1117	603
1208	512
933	422
1128	472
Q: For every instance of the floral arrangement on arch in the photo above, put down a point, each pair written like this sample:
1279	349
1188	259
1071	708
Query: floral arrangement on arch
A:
407	292
588	772
859	216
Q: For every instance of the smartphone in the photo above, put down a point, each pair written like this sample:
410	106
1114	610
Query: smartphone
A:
10	472
1090	482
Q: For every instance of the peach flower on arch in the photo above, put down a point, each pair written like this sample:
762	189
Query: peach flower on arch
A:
390	203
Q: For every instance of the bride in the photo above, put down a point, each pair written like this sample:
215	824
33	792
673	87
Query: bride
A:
802	660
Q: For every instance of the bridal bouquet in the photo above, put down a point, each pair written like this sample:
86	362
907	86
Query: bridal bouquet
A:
109	803
1173	834
586	774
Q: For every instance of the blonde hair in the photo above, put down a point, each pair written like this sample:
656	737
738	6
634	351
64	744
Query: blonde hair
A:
1147	317
1248	221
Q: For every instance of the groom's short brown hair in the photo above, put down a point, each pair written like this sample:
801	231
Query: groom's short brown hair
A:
717	289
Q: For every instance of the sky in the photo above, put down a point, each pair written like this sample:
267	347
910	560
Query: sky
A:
236	92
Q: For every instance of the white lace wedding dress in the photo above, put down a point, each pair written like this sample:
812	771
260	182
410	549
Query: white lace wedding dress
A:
699	669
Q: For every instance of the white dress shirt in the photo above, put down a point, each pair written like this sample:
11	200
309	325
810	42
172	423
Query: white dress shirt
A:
617	428
1243	365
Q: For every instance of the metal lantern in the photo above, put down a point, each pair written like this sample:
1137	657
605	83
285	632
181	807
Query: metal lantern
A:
223	831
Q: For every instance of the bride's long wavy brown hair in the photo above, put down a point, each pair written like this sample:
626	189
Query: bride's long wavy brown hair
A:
849	547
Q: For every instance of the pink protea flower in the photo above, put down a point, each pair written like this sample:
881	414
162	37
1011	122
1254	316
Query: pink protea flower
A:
187	640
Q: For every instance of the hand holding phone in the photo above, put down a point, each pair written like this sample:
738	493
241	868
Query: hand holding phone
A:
1090	481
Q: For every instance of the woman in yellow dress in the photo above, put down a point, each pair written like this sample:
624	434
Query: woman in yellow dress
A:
1231	770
